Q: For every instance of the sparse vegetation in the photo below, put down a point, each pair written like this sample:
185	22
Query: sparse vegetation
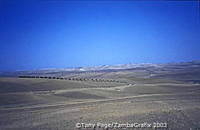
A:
133	95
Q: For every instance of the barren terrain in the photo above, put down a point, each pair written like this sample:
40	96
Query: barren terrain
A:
167	93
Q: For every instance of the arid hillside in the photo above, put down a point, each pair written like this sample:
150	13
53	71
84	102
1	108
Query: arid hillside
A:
133	93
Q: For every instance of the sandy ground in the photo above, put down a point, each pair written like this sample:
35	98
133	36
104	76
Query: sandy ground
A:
50	104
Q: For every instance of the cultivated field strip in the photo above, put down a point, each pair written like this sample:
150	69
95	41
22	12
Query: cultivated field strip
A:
75	79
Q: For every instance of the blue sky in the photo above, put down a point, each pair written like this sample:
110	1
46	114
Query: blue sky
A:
59	34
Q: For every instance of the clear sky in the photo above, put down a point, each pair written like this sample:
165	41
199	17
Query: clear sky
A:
50	34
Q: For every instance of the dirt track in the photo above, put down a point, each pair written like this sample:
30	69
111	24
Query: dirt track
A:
170	97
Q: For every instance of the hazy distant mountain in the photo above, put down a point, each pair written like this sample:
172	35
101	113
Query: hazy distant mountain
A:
150	66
